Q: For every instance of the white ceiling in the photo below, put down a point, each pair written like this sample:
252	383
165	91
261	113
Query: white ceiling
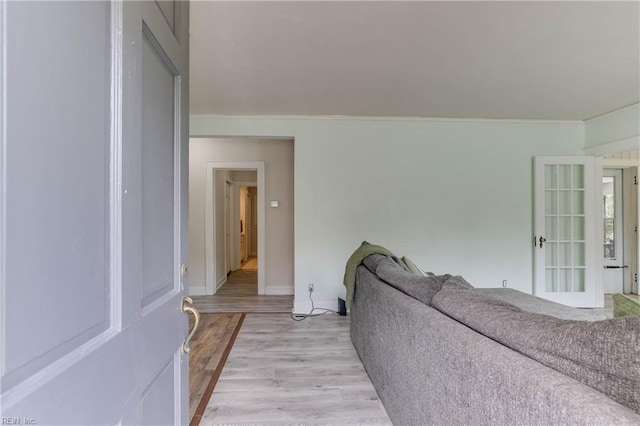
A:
518	60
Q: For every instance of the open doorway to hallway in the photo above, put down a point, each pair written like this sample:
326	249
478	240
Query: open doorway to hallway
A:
256	177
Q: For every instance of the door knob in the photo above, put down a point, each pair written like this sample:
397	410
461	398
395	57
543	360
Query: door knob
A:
186	302
542	240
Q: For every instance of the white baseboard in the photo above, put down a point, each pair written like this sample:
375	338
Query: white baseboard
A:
222	281
304	306
197	291
279	290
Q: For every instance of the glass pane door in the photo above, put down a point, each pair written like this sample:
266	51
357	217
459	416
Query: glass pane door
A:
564	227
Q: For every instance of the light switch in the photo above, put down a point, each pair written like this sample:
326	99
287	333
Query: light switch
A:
275	203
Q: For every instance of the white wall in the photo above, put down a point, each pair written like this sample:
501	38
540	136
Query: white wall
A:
613	132
278	158
453	195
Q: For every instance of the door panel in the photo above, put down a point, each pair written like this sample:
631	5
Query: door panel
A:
93	210
564	241
157	401
158	135
54	212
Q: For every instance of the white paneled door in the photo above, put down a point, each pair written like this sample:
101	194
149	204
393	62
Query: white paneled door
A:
567	264
93	208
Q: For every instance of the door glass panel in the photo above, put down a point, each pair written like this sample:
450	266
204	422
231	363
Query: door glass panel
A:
564	231
564	280
578	202
551	206
608	203
565	227
551	253
564	202
578	279
579	254
578	176
550	280
551	228
578	228
564	254
551	180
564	177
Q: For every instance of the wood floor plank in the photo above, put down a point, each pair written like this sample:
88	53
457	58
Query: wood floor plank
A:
282	371
279	371
210	345
240	294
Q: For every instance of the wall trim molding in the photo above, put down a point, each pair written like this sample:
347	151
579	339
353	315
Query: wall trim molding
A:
279	290
379	118
627	144
222	281
304	306
615	111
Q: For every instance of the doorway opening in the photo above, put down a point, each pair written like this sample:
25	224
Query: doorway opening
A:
236	214
620	216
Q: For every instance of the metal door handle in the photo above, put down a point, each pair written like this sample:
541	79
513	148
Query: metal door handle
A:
615	267
190	309
542	240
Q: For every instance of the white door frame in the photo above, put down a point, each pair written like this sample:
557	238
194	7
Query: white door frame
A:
620	240
209	214
631	195
628	144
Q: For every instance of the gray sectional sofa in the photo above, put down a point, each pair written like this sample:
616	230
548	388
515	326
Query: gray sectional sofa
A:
440	352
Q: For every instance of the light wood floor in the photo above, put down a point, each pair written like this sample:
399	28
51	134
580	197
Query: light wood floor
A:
221	318
282	371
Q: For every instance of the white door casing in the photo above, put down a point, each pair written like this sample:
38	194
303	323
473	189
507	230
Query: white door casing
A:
613	224
567	262
94	147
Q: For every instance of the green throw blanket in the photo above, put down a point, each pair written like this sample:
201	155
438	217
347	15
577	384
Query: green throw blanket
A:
356	259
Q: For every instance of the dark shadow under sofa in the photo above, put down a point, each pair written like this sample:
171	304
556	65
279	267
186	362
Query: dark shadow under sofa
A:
435	368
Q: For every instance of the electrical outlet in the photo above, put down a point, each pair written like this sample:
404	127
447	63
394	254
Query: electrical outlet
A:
504	283
311	288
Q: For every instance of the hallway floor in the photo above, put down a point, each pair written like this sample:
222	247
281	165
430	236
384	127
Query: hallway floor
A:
240	294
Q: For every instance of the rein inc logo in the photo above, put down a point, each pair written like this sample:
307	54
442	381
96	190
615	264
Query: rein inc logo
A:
17	421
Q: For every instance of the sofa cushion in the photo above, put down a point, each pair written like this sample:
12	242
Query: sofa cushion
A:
602	354
530	303
455	281
419	287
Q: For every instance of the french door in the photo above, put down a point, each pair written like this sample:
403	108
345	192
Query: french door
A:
567	264
93	212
